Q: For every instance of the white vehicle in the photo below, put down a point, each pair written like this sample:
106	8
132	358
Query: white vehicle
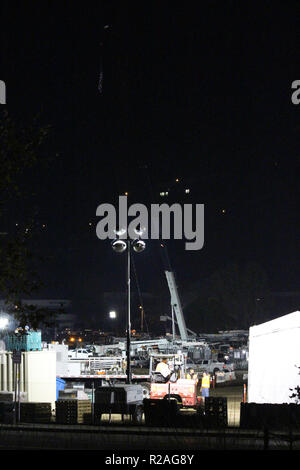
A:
79	354
213	366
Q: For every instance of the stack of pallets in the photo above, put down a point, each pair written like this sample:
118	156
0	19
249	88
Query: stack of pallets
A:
35	412
6	412
216	411
160	412
73	411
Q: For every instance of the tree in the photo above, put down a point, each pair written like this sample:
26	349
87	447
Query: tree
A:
296	392
20	154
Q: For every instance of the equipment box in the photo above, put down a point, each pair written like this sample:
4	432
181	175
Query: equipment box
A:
119	393
121	399
32	341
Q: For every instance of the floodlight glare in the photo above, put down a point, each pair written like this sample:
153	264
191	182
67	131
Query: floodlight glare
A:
3	323
138	245
119	246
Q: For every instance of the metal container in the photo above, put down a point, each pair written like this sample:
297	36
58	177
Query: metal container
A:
119	393
32	341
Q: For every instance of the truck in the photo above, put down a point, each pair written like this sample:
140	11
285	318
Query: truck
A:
212	366
79	354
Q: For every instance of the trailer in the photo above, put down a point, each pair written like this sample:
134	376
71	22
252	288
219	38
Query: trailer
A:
105	379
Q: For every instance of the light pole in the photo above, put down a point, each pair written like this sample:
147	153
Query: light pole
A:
120	246
142	318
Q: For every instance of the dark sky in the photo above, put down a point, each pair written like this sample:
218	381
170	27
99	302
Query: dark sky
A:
202	94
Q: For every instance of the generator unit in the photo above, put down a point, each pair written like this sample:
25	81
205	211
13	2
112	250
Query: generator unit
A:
120	398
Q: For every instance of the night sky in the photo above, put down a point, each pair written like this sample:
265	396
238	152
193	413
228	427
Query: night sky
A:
201	94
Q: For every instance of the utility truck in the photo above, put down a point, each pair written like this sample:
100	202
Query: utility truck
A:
213	366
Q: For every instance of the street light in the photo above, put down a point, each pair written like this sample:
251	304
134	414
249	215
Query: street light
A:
112	314
142	317
119	246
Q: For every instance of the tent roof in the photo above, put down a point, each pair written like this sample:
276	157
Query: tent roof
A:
292	320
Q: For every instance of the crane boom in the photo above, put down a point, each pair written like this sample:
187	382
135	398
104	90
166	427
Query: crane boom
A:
176	305
166	317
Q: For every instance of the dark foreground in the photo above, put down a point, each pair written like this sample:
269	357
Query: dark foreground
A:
116	437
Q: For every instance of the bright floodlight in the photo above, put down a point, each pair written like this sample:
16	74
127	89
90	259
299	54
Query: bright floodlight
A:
139	245
3	323
119	246
112	314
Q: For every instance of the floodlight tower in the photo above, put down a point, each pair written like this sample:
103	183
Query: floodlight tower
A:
120	246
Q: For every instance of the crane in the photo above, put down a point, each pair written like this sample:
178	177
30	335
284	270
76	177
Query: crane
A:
167	317
176	306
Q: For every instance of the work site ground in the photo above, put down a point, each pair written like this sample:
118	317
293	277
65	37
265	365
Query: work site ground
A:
112	433
233	391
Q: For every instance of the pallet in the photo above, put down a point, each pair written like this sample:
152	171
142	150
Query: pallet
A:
73	411
216	411
35	412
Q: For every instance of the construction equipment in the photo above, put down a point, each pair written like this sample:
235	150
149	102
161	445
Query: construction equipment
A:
174	322
110	364
177	387
176	306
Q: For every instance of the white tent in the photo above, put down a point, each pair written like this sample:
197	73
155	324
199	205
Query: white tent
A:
274	359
